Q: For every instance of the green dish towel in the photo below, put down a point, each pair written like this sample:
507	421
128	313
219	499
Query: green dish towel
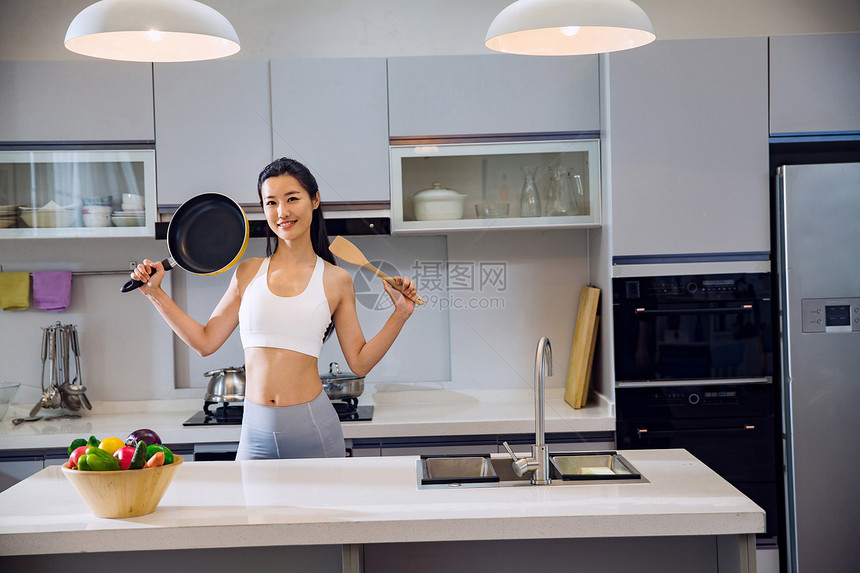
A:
14	291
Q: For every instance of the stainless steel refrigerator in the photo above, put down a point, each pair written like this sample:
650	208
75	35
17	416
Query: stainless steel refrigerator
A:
818	268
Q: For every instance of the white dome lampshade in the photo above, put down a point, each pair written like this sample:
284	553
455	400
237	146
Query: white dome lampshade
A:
569	27
152	31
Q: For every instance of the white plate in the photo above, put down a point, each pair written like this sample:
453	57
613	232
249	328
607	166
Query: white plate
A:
128	221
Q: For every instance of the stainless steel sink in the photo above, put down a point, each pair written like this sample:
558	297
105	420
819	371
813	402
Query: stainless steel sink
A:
496	470
592	466
456	469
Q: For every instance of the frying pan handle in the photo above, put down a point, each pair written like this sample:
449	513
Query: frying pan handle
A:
134	284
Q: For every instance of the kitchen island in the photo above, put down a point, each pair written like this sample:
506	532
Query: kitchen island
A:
368	514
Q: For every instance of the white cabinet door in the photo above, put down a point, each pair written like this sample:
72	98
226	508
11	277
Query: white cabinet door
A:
688	146
492	94
815	83
213	129
75	101
331	115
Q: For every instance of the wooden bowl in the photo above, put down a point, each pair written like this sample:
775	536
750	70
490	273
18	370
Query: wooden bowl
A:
123	493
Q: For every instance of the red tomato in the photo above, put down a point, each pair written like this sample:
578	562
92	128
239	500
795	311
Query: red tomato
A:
124	455
75	456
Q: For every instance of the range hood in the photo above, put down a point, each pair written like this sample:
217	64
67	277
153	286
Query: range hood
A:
348	219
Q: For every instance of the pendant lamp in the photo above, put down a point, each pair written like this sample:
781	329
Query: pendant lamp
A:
152	31
569	27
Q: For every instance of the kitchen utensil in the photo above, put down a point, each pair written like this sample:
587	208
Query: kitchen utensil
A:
78	389
345	250
57	378
438	204
51	397
207	235
18	421
582	352
226	385
38	405
70	401
341	385
74	389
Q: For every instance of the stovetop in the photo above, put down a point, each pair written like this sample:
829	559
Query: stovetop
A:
232	415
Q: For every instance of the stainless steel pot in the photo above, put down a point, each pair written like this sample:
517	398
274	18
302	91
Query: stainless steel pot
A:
226	385
341	385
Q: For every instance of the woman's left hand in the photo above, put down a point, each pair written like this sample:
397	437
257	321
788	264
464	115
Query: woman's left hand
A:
402	303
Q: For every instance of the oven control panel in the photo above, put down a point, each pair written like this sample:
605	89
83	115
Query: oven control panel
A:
678	288
830	314
699	395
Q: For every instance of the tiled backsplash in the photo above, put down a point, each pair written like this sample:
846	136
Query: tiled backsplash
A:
490	297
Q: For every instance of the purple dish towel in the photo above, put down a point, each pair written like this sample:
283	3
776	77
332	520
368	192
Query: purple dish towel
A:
52	290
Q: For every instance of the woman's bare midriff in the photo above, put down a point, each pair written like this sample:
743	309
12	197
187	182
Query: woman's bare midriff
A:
276	377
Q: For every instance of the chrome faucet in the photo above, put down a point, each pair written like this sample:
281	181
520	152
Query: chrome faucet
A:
538	463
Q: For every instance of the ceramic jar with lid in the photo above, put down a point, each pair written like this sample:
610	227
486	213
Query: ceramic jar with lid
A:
438	204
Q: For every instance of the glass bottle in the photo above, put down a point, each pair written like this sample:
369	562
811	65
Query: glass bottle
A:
530	199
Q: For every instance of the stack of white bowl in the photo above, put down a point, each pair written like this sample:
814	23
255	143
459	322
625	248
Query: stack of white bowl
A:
8	216
132	213
96	211
50	215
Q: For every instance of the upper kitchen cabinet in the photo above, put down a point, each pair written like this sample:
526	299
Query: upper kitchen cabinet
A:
495	186
49	193
815	84
98	101
688	145
331	114
492	95
213	129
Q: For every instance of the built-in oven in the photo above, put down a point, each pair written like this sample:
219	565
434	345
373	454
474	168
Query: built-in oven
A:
693	370
693	328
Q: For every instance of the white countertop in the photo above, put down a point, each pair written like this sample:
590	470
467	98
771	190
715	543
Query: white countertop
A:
402	413
373	500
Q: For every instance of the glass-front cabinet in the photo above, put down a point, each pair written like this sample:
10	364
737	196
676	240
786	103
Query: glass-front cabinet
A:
77	193
485	186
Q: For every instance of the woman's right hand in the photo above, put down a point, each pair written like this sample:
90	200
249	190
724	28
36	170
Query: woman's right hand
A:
150	274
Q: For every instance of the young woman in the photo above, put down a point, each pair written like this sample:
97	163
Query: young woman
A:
285	306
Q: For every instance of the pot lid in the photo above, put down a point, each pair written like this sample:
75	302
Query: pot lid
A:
334	373
437	192
229	369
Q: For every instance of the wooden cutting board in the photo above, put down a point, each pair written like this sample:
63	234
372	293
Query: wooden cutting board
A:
582	352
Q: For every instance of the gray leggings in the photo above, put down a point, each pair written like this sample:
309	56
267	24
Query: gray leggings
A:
309	430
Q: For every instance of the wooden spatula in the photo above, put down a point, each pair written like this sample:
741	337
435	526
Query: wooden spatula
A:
345	250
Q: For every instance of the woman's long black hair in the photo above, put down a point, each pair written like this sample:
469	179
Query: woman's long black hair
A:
319	235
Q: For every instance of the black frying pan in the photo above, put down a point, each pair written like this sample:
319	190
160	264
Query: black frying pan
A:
207	235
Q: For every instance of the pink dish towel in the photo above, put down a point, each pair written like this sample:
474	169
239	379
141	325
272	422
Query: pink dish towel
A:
52	290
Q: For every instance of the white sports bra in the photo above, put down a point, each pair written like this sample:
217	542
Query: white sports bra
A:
290	322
